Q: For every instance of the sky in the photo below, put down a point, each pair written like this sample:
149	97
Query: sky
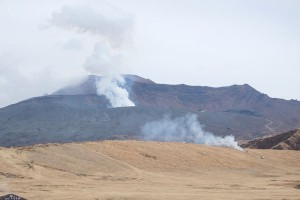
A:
46	45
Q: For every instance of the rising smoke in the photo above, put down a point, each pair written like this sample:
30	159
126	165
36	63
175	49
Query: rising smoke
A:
113	28
104	61
185	128
111	88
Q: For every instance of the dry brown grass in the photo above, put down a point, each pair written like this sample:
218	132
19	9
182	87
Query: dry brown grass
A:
148	170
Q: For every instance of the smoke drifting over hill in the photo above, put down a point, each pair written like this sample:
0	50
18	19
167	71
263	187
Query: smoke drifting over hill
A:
112	27
185	128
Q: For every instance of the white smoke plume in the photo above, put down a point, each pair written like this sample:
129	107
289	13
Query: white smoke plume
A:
185	128
113	28
111	88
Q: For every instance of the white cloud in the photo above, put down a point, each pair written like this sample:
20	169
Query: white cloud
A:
72	44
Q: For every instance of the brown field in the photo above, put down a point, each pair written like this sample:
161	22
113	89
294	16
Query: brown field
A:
148	170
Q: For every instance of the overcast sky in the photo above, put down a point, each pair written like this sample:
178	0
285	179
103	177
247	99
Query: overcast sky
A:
45	45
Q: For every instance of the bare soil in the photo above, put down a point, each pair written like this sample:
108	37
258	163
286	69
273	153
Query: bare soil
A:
148	170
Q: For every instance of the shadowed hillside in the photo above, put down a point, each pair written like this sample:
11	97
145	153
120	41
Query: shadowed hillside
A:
284	141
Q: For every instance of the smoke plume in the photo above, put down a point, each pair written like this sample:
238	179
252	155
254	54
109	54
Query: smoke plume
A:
111	88
98	18
113	28
185	128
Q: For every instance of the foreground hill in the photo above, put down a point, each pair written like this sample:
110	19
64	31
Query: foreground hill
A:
148	170
77	113
284	141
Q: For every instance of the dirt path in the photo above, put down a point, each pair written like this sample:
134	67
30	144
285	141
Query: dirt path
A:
268	126
136	170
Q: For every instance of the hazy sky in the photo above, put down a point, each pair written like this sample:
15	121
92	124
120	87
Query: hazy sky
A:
47	44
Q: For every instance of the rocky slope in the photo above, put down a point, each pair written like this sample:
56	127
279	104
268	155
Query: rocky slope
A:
284	141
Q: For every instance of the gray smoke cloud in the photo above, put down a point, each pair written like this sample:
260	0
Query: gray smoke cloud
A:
185	128
113	28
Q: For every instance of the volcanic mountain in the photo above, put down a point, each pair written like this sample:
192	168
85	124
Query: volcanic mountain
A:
77	113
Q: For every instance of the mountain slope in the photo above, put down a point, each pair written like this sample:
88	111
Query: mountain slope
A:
84	118
284	141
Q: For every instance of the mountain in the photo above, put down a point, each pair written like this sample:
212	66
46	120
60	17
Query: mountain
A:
285	141
77	113
241	99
